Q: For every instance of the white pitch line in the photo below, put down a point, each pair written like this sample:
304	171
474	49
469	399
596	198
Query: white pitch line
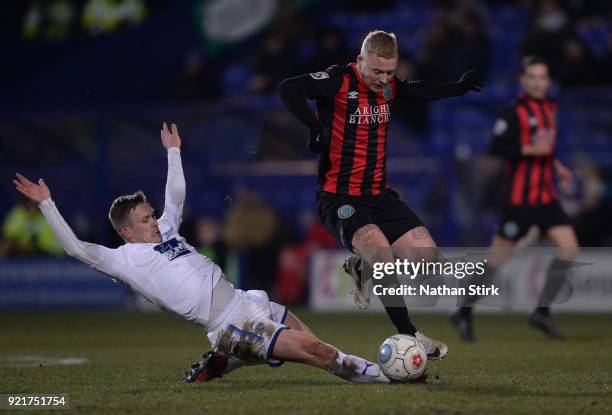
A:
33	361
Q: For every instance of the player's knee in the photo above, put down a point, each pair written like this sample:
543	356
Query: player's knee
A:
368	237
423	251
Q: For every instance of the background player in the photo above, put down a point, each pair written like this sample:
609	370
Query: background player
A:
349	132
156	262
525	135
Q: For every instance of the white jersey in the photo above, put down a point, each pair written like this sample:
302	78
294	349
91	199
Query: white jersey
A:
171	274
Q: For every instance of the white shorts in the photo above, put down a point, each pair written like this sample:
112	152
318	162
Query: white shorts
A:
249	330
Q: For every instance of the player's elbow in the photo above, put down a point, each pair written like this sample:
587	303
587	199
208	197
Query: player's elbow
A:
72	251
76	251
289	89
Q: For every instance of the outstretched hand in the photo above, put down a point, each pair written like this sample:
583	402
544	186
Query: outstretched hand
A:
170	139
35	192
471	81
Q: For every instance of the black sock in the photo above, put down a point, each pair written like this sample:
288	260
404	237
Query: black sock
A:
469	300
396	309
400	319
465	311
395	306
556	277
545	311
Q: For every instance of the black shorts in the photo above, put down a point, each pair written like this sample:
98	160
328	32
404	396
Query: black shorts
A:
343	215
516	220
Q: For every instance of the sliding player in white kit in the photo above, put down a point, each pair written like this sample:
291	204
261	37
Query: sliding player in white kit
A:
156	262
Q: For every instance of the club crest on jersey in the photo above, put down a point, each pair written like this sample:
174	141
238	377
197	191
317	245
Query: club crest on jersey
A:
387	92
510	230
319	75
346	211
172	249
352	95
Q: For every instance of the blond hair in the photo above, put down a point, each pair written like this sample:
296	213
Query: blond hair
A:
381	44
121	207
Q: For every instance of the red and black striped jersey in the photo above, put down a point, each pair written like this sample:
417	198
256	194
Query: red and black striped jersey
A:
354	121
528	179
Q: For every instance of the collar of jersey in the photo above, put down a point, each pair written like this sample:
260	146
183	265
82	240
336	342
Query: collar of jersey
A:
353	66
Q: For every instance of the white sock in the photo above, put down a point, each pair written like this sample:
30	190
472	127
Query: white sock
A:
336	366
339	359
356	369
361	367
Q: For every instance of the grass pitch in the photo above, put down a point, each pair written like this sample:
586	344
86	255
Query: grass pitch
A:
135	363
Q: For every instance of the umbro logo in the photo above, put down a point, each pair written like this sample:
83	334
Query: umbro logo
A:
352	95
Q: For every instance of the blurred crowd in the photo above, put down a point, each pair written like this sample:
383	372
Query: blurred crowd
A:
26	233
448	37
575	37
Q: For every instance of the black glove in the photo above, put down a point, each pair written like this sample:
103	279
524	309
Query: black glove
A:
470	81
316	142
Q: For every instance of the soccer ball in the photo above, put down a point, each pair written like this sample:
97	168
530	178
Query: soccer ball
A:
402	358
